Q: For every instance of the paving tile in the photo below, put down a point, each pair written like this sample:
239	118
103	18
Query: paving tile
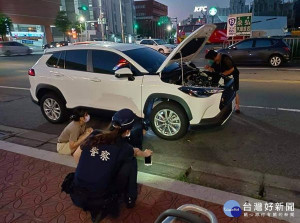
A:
30	192
8	215
50	209
24	141
72	214
39	136
12	193
48	147
6	157
27	219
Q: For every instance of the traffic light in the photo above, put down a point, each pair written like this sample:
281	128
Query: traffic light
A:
159	23
136	26
83	8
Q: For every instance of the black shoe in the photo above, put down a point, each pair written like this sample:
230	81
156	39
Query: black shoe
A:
130	202
96	218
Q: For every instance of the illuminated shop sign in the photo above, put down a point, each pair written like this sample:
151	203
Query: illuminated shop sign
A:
200	9
28	34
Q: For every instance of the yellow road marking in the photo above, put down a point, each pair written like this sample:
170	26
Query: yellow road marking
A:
271	81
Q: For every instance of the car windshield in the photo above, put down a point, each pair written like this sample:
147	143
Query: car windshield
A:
150	59
160	42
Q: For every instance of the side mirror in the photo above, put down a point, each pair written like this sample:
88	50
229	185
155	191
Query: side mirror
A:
124	72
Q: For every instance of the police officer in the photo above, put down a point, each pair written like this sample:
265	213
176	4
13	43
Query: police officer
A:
106	169
223	64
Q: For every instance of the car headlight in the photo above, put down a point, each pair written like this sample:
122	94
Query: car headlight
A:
200	91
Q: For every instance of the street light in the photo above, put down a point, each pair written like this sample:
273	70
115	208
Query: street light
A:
169	28
81	20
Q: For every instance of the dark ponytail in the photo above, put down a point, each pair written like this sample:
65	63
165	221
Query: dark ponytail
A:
77	113
104	138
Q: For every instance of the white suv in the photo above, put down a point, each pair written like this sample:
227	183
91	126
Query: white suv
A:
170	93
158	45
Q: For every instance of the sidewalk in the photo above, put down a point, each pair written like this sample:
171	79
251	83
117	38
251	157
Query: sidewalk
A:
30	182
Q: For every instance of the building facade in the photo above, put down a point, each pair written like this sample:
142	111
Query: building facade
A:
103	18
31	21
276	8
111	15
148	13
235	7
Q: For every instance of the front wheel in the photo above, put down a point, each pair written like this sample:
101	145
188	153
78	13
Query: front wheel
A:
7	53
169	121
161	51
275	61
53	108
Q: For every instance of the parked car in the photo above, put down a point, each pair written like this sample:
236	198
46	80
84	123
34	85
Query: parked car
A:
158	44
54	44
171	96
14	48
270	51
62	43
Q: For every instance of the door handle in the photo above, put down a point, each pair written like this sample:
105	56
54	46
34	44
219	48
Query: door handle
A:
57	74
95	80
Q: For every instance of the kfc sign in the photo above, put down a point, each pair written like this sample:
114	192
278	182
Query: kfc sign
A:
200	9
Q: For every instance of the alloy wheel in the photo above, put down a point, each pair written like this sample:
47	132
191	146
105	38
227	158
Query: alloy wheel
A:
167	122
275	61
52	109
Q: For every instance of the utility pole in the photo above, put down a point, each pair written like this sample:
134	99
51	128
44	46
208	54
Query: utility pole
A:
101	20
122	27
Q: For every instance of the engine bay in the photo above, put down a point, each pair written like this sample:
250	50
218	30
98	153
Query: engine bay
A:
194	77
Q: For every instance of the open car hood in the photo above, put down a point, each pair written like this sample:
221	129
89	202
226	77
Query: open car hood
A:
189	47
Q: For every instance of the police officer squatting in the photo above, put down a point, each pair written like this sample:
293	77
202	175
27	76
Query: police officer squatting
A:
106	174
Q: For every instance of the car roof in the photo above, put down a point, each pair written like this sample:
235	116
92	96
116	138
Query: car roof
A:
262	38
99	45
8	42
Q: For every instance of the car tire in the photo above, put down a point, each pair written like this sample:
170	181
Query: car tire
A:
53	108
166	129
161	51
275	60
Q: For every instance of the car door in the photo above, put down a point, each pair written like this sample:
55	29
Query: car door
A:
262	50
114	93
20	48
241	53
75	82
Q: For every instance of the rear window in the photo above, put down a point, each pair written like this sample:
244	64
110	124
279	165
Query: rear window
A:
263	43
61	62
76	60
52	61
105	61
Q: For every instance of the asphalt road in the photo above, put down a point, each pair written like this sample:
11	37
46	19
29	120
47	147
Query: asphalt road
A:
264	137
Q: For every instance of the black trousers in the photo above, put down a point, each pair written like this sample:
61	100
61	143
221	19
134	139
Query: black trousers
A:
124	183
126	180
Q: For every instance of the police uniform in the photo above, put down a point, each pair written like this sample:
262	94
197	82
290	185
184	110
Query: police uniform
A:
105	172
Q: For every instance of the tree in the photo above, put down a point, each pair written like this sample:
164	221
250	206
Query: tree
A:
62	22
76	25
79	27
5	25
